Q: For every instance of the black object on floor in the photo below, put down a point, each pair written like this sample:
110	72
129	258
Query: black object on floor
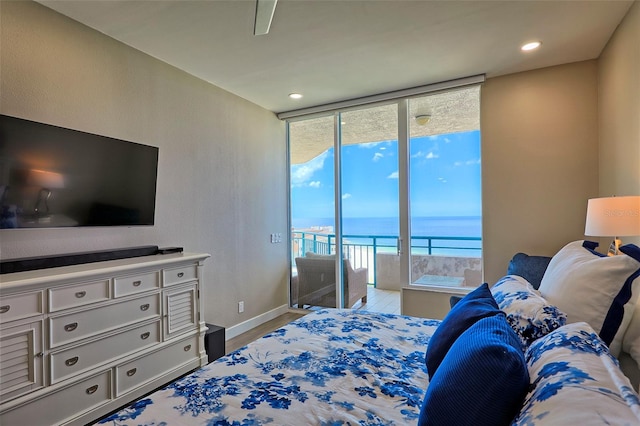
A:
214	342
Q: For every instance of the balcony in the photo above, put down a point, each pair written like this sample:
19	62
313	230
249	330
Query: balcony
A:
438	261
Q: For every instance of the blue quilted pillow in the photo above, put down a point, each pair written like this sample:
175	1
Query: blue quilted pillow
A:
482	380
531	268
474	306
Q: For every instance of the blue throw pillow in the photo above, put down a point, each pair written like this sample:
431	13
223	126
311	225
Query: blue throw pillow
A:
482	380
474	306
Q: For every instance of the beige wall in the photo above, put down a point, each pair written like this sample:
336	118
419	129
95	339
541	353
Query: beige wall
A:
222	170
619	111
539	161
552	139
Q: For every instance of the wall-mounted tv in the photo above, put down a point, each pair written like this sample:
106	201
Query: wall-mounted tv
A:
54	177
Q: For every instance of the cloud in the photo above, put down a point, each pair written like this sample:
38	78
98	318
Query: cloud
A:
468	162
315	184
345	196
369	145
428	155
443	180
301	173
393	175
377	156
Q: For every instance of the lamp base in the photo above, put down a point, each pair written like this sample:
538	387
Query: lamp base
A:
614	247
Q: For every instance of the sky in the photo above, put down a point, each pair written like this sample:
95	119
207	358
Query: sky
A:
445	179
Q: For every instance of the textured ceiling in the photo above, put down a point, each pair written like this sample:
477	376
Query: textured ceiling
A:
337	50
451	112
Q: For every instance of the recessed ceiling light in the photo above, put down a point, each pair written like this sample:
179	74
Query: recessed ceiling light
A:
530	46
295	95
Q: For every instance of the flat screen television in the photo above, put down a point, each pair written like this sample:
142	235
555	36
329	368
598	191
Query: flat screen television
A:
54	177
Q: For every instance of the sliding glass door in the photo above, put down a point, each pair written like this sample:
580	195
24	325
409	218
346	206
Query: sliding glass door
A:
369	199
395	189
312	210
445	190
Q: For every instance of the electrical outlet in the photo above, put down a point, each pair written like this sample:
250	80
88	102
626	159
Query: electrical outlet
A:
240	307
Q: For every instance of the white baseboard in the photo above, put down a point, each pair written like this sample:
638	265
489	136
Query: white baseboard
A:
247	325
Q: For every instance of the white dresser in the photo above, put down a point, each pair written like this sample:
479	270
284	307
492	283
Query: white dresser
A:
77	342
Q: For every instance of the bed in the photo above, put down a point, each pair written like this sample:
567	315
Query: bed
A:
329	367
349	367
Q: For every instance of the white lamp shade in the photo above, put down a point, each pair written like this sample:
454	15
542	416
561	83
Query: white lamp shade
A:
613	217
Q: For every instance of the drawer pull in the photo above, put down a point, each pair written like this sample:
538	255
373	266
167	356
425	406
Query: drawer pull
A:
81	294
92	389
39	355
187	348
145	336
144	307
71	361
132	372
180	274
71	327
137	283
4	309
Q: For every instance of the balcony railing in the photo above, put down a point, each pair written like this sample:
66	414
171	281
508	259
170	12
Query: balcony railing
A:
362	250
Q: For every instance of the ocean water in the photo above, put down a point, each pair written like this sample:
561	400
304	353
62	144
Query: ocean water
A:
455	226
434	232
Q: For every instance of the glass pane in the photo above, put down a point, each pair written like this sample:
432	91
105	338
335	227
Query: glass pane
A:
445	189
312	212
370	219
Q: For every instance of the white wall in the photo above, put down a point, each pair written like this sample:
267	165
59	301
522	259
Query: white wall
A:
222	170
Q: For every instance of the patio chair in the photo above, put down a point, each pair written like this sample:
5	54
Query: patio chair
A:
316	281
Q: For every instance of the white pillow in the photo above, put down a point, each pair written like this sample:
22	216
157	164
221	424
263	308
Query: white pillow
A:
631	340
594	288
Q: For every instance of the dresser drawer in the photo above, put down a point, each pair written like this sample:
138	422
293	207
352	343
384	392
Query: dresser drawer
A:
78	295
20	306
64	405
73	327
179	275
133	284
72	361
143	370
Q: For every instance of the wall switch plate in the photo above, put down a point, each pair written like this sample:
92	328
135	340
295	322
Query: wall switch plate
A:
240	307
276	238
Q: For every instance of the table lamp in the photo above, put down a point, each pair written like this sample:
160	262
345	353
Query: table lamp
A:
613	217
46	181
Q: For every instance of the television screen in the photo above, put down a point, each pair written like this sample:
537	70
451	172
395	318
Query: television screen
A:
55	177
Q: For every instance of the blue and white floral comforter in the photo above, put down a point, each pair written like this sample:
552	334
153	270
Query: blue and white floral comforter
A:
330	367
336	367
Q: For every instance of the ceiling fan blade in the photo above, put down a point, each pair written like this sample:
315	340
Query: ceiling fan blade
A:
264	14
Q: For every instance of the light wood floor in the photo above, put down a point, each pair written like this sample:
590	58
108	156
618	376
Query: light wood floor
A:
259	331
385	301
